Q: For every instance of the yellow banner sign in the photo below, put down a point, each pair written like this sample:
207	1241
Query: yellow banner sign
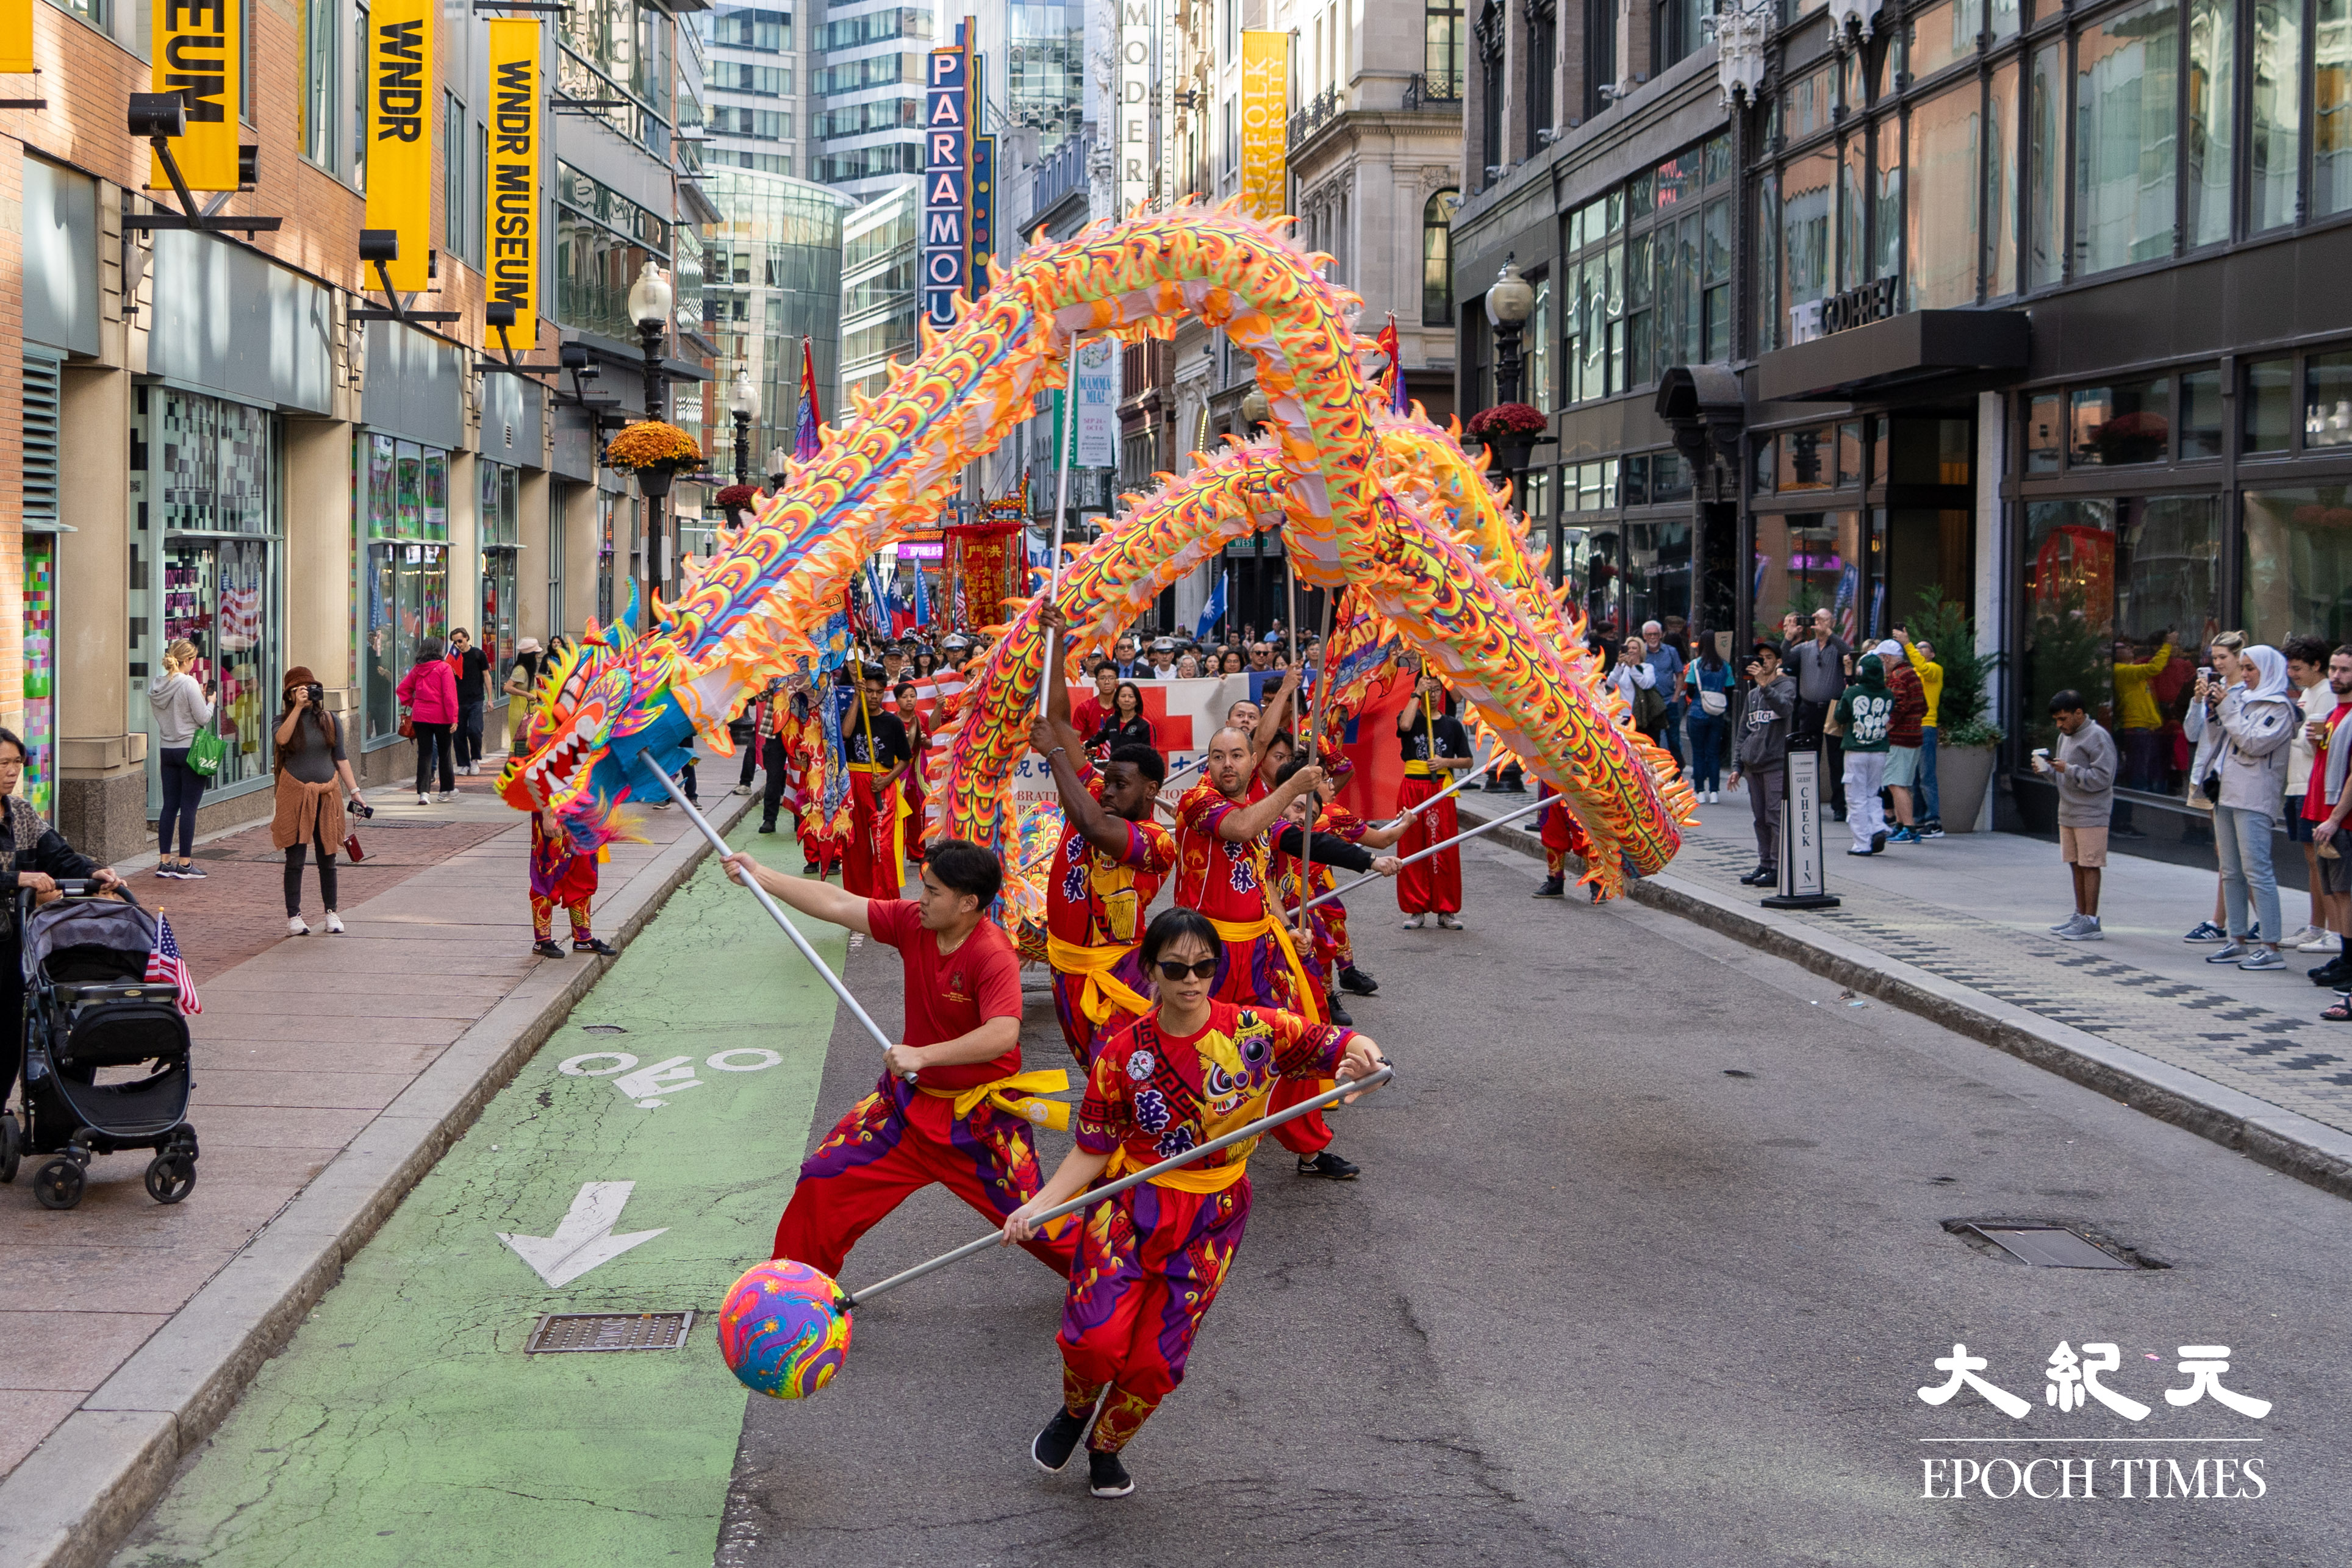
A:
512	221
402	113
1266	103
197	53
16	37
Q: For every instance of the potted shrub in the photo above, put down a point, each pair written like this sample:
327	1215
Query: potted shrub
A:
653	451
1508	430
1965	734
738	501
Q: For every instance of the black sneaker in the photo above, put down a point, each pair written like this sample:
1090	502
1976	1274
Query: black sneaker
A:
1329	1166
767	826
595	944
1357	983
1059	1441
1759	877
808	868
1340	1015
1553	887
1878	843
1106	1477
546	949
2329	973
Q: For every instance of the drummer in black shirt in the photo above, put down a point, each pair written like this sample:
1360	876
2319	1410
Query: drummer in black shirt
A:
876	741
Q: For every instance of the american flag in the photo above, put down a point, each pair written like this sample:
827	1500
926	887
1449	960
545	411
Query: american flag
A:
165	967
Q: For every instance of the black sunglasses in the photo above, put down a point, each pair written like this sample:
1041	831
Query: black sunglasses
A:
1171	970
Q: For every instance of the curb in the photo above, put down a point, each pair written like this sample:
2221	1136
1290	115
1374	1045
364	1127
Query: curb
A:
2292	1145
74	1499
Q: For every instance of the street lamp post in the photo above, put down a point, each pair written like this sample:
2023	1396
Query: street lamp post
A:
1509	301
1256	410
649	307
745	406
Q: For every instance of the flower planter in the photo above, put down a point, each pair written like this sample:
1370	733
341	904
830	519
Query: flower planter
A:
1962	775
654	482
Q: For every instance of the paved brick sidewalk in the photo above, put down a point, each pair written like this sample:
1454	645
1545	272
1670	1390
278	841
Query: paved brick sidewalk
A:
302	1042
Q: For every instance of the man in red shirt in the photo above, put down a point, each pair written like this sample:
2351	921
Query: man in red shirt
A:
963	1122
1107	869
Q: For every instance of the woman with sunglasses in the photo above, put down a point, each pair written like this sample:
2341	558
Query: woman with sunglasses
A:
1188	1071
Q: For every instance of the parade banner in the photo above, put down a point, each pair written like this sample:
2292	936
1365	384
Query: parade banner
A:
401	112
1266	103
1096	376
512	222
196	50
1172	161
1133	127
947	184
16	37
1184	714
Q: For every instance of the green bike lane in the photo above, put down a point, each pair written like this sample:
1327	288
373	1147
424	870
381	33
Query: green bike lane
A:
638	1163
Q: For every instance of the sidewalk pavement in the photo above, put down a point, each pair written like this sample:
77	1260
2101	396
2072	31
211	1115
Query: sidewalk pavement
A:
329	1073
1957	929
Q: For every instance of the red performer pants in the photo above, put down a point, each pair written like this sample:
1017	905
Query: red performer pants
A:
1150	1263
1432	886
820	849
542	917
1257	975
875	865
896	1141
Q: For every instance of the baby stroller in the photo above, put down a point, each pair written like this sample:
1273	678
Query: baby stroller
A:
89	1006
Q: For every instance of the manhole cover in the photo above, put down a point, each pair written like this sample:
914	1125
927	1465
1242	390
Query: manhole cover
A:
2048	1247
601	1029
560	1331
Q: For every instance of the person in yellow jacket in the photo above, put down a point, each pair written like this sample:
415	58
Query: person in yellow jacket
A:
1931	685
2139	719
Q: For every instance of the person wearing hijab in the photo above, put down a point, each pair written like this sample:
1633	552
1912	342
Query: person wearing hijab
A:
2258	718
1865	713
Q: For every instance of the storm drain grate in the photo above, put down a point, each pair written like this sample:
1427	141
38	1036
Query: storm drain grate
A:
2048	1247
559	1332
601	1029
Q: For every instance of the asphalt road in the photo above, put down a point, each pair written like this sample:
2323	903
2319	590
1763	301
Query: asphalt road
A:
1644	1270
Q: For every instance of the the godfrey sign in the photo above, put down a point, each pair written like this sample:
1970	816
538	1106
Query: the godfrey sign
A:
2181	1461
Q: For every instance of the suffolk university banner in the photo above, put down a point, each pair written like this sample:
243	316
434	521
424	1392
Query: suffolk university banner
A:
402	110
1265	105
512	220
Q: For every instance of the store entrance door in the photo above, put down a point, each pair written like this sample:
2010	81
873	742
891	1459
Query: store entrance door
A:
1930	513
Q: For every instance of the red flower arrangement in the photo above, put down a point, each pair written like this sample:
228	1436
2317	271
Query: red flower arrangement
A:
738	496
1507	419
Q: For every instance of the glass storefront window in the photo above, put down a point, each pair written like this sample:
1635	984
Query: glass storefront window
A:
2046	127
1806	459
404	581
1670	479
2328	401
2042	435
2127	117
1807	561
2331	170
2295	564
2200	414
498	530
1849	454
2269	413
1808	195
1853	211
203	518
1942	35
2000	184
1538	370
2070	599
1944	244
2128	423
1886	203
1658	569
2212	94
39	724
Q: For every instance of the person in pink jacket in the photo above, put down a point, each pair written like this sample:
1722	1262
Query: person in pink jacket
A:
429	694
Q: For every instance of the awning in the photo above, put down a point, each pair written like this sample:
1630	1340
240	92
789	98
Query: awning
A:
1883	356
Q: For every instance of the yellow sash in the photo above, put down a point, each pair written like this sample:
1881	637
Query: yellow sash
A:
1190	1178
1419	770
1105	992
1013	1093
1231	932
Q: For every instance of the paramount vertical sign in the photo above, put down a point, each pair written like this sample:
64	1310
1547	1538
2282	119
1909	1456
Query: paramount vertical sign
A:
947	184
1265	101
511	221
1134	123
197	51
400	114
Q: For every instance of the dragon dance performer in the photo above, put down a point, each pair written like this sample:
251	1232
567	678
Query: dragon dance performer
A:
1152	1259
964	1122
1107	869
1335	956
1221	831
1433	744
1563	836
876	746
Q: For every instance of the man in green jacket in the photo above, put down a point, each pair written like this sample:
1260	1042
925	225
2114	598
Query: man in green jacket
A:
1865	713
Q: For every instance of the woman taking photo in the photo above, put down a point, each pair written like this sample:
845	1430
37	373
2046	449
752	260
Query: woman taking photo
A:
313	778
430	694
182	708
523	679
1710	679
33	856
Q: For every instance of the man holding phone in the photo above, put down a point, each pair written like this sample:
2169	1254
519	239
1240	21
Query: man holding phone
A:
1761	756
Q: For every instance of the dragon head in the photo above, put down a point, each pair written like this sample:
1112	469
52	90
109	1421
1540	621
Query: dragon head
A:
607	711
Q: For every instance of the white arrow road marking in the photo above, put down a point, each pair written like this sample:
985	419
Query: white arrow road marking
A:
586	1237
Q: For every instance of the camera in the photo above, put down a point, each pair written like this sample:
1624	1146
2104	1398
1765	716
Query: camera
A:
316	692
361	808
